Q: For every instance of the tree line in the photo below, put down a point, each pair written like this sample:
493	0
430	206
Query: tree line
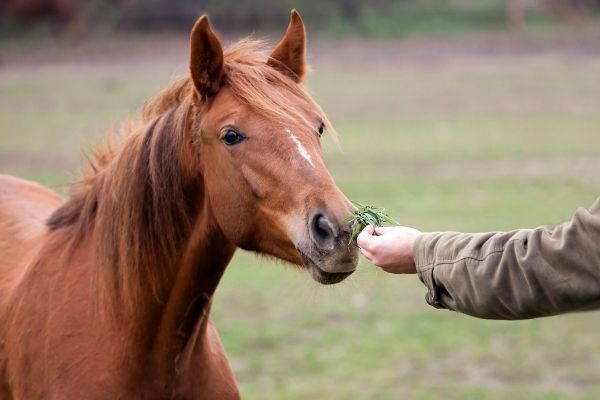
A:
357	16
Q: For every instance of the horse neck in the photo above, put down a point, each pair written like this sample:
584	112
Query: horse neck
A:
184	317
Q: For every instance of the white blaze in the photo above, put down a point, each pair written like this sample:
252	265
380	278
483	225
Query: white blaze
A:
301	149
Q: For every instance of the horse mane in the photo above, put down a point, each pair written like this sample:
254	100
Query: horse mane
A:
135	199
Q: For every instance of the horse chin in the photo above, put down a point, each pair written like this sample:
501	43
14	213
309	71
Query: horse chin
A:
322	276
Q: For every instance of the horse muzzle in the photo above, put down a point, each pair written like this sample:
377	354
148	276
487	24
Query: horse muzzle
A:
328	255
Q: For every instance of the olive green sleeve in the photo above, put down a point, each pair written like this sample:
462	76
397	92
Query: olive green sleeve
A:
514	275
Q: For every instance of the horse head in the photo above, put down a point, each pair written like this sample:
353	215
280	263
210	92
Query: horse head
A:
257	136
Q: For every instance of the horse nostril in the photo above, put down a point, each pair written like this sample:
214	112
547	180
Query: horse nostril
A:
322	231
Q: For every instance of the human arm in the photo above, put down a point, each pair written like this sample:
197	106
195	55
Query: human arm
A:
511	275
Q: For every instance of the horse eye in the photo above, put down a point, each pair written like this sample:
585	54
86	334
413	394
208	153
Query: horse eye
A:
231	137
321	128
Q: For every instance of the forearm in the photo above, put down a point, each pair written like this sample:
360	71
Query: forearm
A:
514	275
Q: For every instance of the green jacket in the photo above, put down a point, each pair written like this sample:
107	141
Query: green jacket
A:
514	275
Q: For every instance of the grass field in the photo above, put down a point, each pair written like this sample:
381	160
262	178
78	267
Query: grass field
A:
456	139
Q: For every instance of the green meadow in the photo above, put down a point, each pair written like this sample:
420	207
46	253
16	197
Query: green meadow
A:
457	140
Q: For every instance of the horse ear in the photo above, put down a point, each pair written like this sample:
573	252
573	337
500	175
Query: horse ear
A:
289	57
206	59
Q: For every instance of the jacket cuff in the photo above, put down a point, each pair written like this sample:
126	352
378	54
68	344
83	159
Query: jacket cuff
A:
425	263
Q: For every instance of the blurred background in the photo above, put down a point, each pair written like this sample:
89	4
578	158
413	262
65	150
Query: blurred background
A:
453	114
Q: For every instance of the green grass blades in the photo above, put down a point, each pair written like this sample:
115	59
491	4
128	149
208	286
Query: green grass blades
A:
364	216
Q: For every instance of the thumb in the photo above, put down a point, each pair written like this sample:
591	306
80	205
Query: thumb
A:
382	230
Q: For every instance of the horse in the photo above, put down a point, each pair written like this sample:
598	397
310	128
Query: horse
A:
107	295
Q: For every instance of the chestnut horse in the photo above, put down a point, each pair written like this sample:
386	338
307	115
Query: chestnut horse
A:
108	295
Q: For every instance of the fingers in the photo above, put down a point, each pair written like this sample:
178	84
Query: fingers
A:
369	235
364	241
365	238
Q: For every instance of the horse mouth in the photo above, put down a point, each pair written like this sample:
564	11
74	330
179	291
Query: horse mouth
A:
321	276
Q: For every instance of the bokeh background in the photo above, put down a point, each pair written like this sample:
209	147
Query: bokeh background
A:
453	114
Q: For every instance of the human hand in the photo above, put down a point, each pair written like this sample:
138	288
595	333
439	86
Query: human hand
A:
390	248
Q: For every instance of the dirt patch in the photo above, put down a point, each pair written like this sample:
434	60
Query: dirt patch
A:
581	169
581	42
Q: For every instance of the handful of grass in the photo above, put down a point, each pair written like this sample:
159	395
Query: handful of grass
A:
364	216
